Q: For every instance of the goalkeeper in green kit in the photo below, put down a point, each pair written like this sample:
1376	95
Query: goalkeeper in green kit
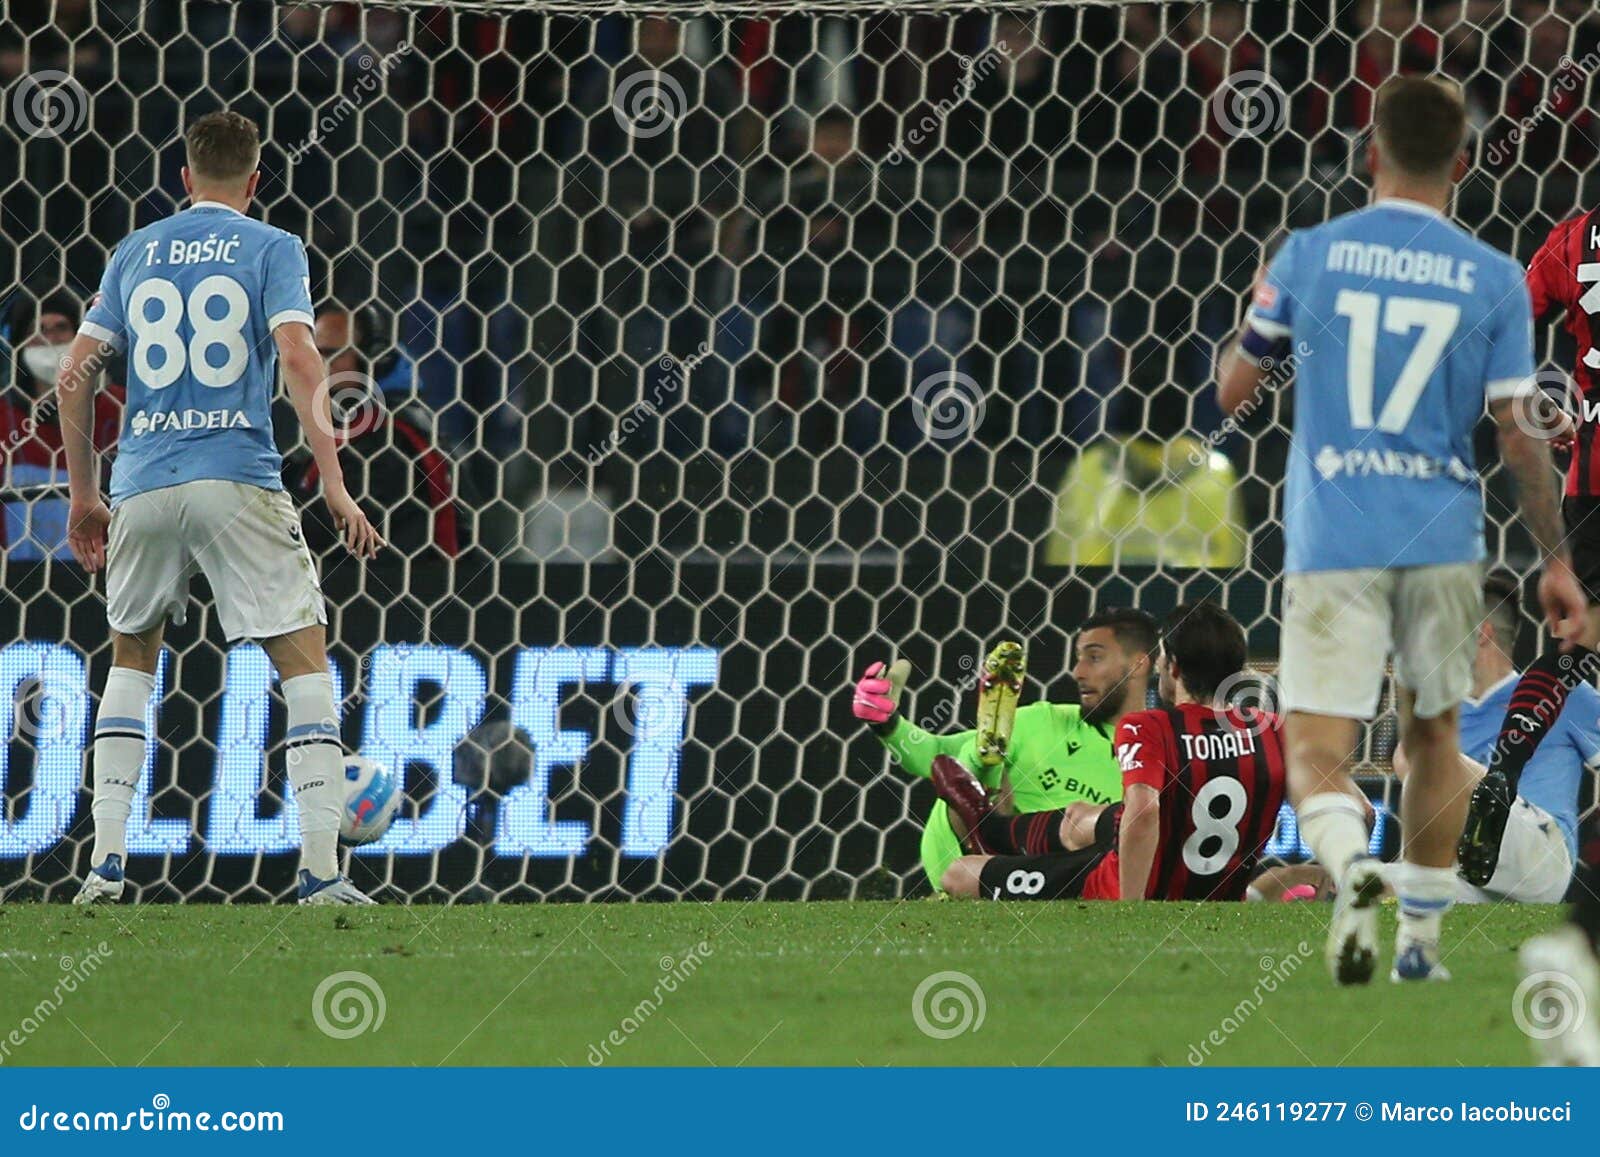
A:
1056	754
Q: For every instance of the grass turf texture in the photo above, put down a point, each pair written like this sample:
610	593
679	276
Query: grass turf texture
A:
778	984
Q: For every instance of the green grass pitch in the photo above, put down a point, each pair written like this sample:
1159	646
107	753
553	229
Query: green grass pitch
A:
769	984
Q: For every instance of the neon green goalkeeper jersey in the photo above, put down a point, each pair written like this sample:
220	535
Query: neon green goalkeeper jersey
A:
1054	758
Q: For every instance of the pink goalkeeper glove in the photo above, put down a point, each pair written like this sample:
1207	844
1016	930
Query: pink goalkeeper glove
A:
878	691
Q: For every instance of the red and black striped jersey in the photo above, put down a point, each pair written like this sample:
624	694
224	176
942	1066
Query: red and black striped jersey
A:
1220	775
1564	282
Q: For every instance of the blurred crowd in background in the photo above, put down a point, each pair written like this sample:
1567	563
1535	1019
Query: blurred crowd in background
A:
759	283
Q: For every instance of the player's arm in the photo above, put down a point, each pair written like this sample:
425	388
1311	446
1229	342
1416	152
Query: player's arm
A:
876	702
1139	832
1246	365
1508	388
1137	837
88	516
1527	459
304	374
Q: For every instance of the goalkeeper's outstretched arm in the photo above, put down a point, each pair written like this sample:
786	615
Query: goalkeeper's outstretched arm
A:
876	702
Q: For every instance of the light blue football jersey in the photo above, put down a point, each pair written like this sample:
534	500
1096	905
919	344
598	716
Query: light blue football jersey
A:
193	300
1554	772
1401	327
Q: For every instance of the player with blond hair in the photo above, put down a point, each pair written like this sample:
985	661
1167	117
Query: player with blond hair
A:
206	305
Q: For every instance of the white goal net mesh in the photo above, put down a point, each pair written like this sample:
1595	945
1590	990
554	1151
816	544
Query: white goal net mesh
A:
721	349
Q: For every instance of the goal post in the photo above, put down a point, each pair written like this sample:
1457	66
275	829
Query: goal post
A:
752	342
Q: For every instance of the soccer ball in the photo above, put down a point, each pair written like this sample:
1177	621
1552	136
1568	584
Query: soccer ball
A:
371	796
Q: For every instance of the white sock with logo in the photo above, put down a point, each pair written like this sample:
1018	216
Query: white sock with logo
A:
1425	895
314	759
119	746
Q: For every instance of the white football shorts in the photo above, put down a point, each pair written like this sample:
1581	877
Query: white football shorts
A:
245	539
1341	626
1535	865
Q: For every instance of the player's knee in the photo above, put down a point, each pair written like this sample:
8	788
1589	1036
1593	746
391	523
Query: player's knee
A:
138	652
302	652
1418	733
961	878
1314	753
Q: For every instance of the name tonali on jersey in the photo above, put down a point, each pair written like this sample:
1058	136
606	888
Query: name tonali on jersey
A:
1220	775
1221	745
1564	282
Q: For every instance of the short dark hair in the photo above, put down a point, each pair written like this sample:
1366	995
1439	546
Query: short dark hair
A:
26	311
1207	643
1133	629
1502	607
1421	124
223	146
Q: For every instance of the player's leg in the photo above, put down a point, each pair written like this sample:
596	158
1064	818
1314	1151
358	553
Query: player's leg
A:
1054	877
1432	810
1336	636
1560	989
1536	702
147	579
248	542
314	760
1533	864
1437	612
987	830
119	747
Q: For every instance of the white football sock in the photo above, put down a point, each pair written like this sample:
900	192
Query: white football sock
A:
119	745
1426	894
1334	826
314	759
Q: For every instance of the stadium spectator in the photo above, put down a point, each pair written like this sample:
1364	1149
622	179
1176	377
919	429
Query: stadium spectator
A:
35	524
392	464
1390	40
1160	497
1549	121
1220	50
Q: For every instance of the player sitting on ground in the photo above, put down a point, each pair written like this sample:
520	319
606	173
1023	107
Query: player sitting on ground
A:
1202	785
1539	842
1058	753
206	303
